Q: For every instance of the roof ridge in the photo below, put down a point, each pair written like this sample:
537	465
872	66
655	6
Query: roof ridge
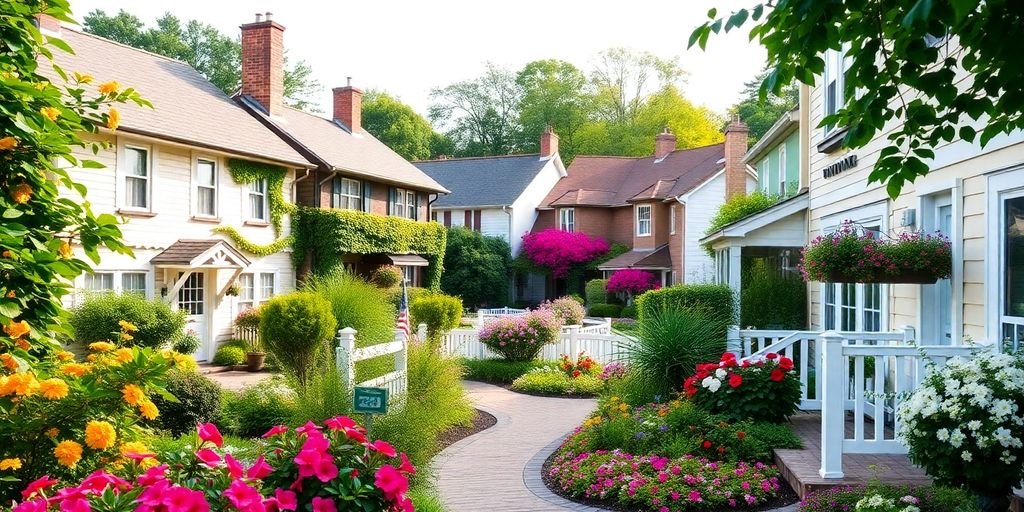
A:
623	157
83	32
474	158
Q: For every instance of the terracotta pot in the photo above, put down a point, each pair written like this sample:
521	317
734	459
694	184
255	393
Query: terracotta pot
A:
254	361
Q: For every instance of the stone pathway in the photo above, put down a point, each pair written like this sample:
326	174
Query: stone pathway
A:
235	380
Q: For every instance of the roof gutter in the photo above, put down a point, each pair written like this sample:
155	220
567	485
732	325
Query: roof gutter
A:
230	151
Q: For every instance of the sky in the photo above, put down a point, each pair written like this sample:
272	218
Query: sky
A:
408	48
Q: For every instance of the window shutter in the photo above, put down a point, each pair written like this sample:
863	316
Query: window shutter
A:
392	193
448	218
367	194
468	219
477	218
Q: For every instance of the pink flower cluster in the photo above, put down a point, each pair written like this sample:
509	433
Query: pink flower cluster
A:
521	337
301	474
853	255
559	250
632	281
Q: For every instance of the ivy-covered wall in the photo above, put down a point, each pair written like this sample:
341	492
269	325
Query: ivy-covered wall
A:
330	233
244	172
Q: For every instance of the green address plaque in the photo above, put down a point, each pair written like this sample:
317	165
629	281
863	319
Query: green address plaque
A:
370	400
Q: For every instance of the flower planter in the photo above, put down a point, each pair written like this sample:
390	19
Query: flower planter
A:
853	255
906	277
255	360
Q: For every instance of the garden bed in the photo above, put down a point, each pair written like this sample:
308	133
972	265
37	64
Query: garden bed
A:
481	421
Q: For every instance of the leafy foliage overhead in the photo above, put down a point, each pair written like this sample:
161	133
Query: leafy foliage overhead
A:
761	113
905	62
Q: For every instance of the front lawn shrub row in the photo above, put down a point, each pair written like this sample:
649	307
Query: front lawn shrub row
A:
605	310
552	381
499	371
716	300
98	317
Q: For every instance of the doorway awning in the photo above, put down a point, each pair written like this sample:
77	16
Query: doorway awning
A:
658	259
200	254
407	260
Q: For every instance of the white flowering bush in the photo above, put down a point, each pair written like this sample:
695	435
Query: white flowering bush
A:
879	503
964	423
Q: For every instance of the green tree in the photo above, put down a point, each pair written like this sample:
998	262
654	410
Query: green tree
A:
555	93
907	60
215	55
477	268
624	80
482	114
397	125
761	114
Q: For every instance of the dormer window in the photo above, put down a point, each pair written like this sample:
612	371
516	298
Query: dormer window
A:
643	220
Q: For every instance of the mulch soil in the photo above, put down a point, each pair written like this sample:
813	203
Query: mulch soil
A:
786	495
481	421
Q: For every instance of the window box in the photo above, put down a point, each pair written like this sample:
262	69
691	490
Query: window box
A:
854	255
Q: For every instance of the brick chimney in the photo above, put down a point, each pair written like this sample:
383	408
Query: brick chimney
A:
735	148
664	143
548	142
348	106
47	23
263	62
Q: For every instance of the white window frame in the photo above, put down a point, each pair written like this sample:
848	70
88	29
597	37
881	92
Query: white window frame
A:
649	220
196	210
764	170
259	293
1001	186
341	198
567	219
117	281
405	204
876	214
782	169
835	71
244	301
249	193
123	176
672	220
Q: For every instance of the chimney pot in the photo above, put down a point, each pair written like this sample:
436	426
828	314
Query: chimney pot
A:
348	106
269	15
263	63
259	17
548	142
664	143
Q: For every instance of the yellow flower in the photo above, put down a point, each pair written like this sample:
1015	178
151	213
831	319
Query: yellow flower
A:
126	337
17	329
50	113
7	143
53	389
12	464
9	362
113	118
6	254
21	384
52	432
136	447
133	394
64	355
124	355
40	86
68	453
148	410
65	250
127	326
76	369
21	193
109	87
102	346
100	435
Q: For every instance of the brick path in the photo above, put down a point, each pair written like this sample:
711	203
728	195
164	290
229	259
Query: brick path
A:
234	380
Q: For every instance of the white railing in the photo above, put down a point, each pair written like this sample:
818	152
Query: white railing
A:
483	315
593	326
800	346
604	348
346	355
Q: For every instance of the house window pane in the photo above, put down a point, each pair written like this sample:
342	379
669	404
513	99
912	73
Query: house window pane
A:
643	220
258	200
133	282
266	286
346	194
848	308
830	306
206	185
246	291
1013	261
567	219
872	307
136	178
99	281
192	295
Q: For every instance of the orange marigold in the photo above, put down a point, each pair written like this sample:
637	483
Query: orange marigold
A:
12	294
64	355
7	143
133	394
50	113
65	250
9	362
52	432
68	453
53	389
102	346
17	329
76	369
21	384
21	193
113	119
11	464
148	410
22	344
100	435
123	355
109	87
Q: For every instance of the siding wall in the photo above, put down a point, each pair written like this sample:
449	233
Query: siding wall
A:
768	165
524	208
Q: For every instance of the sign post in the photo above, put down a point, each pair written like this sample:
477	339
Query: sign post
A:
370	401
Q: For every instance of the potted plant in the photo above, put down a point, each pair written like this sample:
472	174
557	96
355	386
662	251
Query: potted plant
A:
248	323
963	425
854	255
233	290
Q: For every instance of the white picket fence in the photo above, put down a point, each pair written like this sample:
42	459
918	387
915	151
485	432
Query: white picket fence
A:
396	382
863	373
603	347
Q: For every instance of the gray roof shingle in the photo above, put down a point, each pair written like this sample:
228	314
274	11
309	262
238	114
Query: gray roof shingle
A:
483	181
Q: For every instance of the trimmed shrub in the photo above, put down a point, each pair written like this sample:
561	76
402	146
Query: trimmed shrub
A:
771	301
578	298
98	316
254	410
499	371
297	329
441	313
521	338
477	268
229	355
628	312
597	291
198	402
186	342
415	292
606	310
716	300
551	381
386	276
357	304
567	309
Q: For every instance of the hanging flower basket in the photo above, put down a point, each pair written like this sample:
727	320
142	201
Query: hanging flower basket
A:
853	255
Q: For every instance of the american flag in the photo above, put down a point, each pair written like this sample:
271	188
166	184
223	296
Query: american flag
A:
403	312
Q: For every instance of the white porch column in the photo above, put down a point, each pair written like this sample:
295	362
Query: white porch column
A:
735	272
833	407
346	339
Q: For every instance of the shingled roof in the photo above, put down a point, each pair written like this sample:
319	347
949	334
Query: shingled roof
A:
187	108
616	181
659	258
483	181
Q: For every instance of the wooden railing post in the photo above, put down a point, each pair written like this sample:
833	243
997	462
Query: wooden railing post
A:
833	411
343	356
910	336
732	341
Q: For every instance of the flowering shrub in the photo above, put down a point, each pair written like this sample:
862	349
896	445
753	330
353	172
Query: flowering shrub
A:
878	497
851	256
632	281
63	417
551	381
879	503
567	309
309	468
248	318
559	250
521	337
583	365
964	423
387	276
612	371
762	390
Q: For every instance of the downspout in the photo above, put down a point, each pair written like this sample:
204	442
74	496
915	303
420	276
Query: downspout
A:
512	278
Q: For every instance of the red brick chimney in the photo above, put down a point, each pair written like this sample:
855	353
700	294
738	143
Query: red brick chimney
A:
47	23
263	62
548	142
735	148
664	143
348	106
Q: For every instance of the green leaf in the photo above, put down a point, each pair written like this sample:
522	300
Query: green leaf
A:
91	164
968	133
12	213
9	309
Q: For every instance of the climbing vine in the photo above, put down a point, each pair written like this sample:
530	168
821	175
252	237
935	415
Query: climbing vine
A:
253	248
245	172
330	233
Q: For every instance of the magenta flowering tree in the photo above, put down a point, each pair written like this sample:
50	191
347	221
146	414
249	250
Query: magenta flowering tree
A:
558	251
632	282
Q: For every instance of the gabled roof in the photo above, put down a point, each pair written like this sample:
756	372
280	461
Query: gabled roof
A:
483	181
210	252
624	179
336	146
187	108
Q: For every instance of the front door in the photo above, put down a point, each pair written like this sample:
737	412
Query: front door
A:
192	300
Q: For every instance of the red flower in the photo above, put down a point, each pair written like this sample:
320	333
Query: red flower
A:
785	363
576	373
741	434
235	468
324	505
777	375
280	429
209	457
383	448
735	380
689	386
260	469
391	482
771	355
209	432
340	423
706	444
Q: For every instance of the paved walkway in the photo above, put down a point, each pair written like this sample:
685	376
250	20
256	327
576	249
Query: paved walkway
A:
236	380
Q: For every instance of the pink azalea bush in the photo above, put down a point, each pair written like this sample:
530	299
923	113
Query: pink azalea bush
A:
320	468
559	250
566	309
521	337
632	281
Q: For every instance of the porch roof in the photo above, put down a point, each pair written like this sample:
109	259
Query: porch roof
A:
408	260
783	225
208	253
658	259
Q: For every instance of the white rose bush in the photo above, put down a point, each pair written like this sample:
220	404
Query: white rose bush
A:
964	425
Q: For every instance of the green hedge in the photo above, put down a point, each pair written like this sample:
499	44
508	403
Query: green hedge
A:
499	371
330	233
715	299
605	310
771	301
596	290
98	316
